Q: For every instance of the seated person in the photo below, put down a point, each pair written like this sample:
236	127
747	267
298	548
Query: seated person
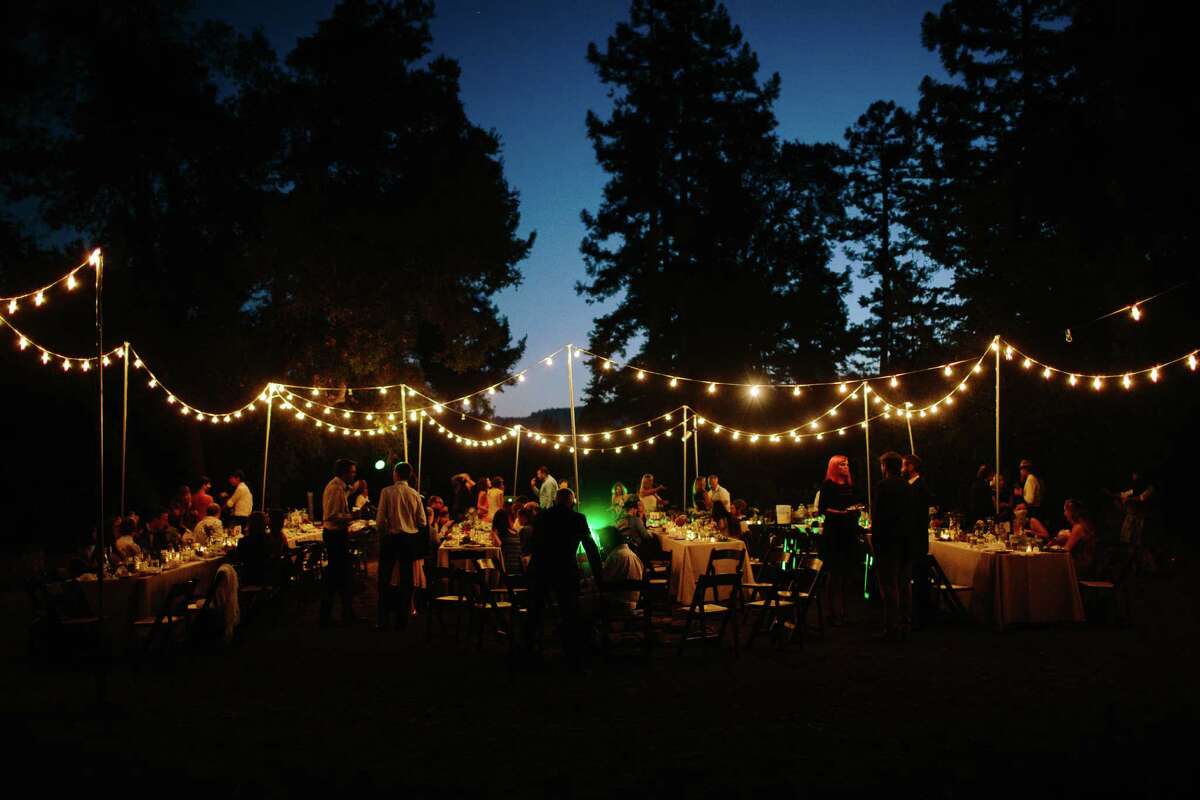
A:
158	535
632	527
510	542
725	521
620	564
209	528
1079	540
251	552
277	541
124	544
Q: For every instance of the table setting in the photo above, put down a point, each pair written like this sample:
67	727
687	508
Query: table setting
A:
690	546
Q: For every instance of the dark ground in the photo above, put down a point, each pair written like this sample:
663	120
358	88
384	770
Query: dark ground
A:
955	712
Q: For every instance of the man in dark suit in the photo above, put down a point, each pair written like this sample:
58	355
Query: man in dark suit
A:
891	538
922	501
558	532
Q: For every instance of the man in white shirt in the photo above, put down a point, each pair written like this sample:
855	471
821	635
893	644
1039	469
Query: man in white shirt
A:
336	520
240	503
718	492
622	564
546	486
210	527
401	522
1030	490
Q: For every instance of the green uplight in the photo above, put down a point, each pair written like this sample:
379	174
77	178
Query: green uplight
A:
380	464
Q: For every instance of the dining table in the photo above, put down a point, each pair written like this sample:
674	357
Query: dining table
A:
1012	587
689	560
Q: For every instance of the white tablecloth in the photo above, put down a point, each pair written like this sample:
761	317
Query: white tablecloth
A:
1013	587
689	560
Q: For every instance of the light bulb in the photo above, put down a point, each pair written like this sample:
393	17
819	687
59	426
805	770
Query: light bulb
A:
737	435
412	416
1046	373
629	431
712	388
578	353
1097	382
978	368
1192	362
641	375
1027	363
39	299
23	343
607	364
315	392
71	282
345	415
1135	312
674	382
995	346
549	362
521	378
795	391
12	306
1154	375
85	365
1008	353
894	383
491	390
45	357
94	258
842	388
1126	381
1072	380
754	390
716	429
754	439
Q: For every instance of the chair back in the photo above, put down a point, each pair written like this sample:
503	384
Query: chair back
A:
809	575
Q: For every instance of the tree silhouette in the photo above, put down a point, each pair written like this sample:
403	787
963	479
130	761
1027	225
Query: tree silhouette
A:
714	236
883	183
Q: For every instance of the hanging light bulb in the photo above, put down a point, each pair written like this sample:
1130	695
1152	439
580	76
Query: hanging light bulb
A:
94	258
491	390
1072	380
641	375
607	364
1097	383
674	382
1027	363
1008	353
978	368
1135	312
578	353
754	390
1191	362
12	306
947	371
45	357
23	343
894	382
1046	373
549	362
842	388
521	378
1126	381
39	299
71	282
1154	375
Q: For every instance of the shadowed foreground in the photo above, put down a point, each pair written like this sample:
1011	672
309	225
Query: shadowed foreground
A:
956	711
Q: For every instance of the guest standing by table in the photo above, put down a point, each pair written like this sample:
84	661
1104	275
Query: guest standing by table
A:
335	533
840	505
495	496
1030	490
648	494
401	521
617	501
546	487
240	503
558	533
718	493
922	503
700	498
891	538
981	503
201	499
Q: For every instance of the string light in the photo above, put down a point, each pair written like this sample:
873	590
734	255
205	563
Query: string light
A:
1135	312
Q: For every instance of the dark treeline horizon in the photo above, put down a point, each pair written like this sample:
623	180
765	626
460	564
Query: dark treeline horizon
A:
332	216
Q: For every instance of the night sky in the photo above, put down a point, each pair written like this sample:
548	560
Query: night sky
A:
525	75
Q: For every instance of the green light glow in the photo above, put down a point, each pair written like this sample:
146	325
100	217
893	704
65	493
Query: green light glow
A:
380	464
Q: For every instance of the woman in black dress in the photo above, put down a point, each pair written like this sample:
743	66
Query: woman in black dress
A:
840	506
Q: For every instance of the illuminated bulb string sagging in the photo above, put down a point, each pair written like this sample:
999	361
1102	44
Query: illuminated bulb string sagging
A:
313	393
49	356
607	363
14	303
185	409
1095	380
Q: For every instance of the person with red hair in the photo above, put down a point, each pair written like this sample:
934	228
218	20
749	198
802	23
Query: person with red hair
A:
840	506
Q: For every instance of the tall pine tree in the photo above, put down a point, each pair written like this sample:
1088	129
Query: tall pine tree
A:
714	236
883	175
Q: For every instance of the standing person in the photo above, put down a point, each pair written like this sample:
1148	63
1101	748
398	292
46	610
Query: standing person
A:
481	499
335	532
839	503
180	513
700	497
495	496
558	533
891	538
980	503
400	520
460	501
510	542
546	487
718	493
201	499
617	501
921	506
1030	490
648	494
240	503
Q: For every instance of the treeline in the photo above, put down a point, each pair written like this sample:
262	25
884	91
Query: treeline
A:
1043	183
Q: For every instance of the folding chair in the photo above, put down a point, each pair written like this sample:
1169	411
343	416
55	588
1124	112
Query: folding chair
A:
1108	593
172	614
769	574
946	592
807	587
714	581
447	590
612	596
512	596
62	632
485	601
656	566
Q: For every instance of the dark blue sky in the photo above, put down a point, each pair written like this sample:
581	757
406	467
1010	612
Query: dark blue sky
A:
524	74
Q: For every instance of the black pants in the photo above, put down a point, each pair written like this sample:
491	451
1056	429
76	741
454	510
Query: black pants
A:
337	578
572	631
395	548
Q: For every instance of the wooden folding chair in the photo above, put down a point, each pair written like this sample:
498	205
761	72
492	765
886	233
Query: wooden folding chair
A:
447	590
612	610
1108	592
172	614
946	592
700	609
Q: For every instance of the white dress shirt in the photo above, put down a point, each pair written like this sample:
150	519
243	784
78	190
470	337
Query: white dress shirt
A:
1032	491
623	564
400	509
335	506
547	492
241	502
722	494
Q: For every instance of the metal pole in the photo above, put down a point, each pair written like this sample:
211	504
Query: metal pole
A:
267	444
683	437
420	449
912	447
516	459
124	420
696	441
404	419
996	346
574	438
100	384
867	428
